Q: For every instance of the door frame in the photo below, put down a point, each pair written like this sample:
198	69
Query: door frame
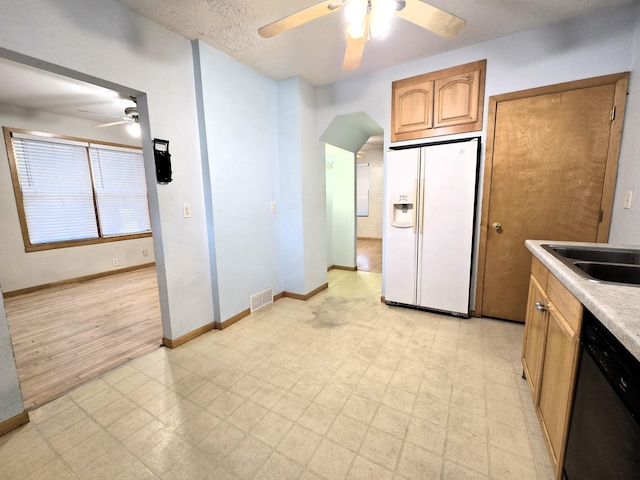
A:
621	81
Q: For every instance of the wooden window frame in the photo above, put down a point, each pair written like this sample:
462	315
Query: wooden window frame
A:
29	247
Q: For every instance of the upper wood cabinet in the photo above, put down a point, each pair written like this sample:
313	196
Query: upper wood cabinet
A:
413	109
438	103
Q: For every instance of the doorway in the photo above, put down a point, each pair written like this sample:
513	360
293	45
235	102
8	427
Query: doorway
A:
103	324
550	173
369	205
345	136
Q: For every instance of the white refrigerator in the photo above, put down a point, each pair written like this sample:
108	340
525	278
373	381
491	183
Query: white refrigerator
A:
430	205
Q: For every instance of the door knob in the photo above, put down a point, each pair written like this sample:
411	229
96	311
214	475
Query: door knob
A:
496	226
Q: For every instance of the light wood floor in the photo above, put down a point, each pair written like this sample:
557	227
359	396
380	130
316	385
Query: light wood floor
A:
369	255
66	335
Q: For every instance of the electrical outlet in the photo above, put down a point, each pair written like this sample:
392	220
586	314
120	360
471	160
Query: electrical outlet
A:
145	253
627	199
186	210
115	262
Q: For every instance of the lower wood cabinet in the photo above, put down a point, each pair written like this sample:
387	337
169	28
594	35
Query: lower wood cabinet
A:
556	385
537	320
550	357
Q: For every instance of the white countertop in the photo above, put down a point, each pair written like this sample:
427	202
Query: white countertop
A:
616	306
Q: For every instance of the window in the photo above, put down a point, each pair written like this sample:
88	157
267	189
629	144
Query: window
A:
362	190
121	191
72	192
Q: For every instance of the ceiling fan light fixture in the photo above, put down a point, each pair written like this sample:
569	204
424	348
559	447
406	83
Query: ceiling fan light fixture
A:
134	128
382	11
355	11
356	30
400	4
370	18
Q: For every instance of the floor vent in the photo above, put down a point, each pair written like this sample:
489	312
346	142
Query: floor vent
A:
261	299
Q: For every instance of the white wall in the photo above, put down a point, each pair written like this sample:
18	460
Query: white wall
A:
371	226
329	209
343	206
625	224
19	269
302	188
591	46
313	189
241	124
291	199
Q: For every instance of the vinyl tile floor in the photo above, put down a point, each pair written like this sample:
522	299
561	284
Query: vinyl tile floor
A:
338	387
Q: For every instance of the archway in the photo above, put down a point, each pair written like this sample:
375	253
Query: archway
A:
345	136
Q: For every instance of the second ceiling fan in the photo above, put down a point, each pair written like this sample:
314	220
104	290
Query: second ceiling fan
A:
370	18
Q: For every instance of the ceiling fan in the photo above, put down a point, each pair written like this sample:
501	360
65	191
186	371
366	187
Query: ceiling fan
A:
130	116
370	18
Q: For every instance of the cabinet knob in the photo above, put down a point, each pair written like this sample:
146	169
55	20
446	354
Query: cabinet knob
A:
541	307
496	226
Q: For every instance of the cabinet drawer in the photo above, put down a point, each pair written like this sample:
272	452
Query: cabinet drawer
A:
540	272
564	301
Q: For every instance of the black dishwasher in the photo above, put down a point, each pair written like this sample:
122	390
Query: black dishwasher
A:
604	433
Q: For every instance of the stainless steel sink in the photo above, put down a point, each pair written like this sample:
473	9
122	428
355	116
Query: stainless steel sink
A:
597	254
611	272
600	264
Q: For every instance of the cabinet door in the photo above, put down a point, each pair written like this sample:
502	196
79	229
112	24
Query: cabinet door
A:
413	108
456	99
556	385
535	333
438	103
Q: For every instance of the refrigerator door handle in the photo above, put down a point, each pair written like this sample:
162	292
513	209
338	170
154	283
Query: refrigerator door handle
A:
421	209
415	210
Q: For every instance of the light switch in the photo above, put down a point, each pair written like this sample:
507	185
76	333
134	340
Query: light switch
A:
627	199
186	210
273	206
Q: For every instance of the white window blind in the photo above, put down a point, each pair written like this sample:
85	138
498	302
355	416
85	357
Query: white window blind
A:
56	190
362	190
76	191
121	191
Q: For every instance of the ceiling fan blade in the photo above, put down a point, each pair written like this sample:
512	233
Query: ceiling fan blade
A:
99	113
427	16
113	123
303	16
355	49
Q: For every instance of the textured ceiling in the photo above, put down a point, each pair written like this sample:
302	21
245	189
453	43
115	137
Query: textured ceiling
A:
315	50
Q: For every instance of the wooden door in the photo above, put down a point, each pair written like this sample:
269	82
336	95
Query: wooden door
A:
550	174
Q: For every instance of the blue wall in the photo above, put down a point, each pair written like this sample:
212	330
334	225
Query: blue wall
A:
240	113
